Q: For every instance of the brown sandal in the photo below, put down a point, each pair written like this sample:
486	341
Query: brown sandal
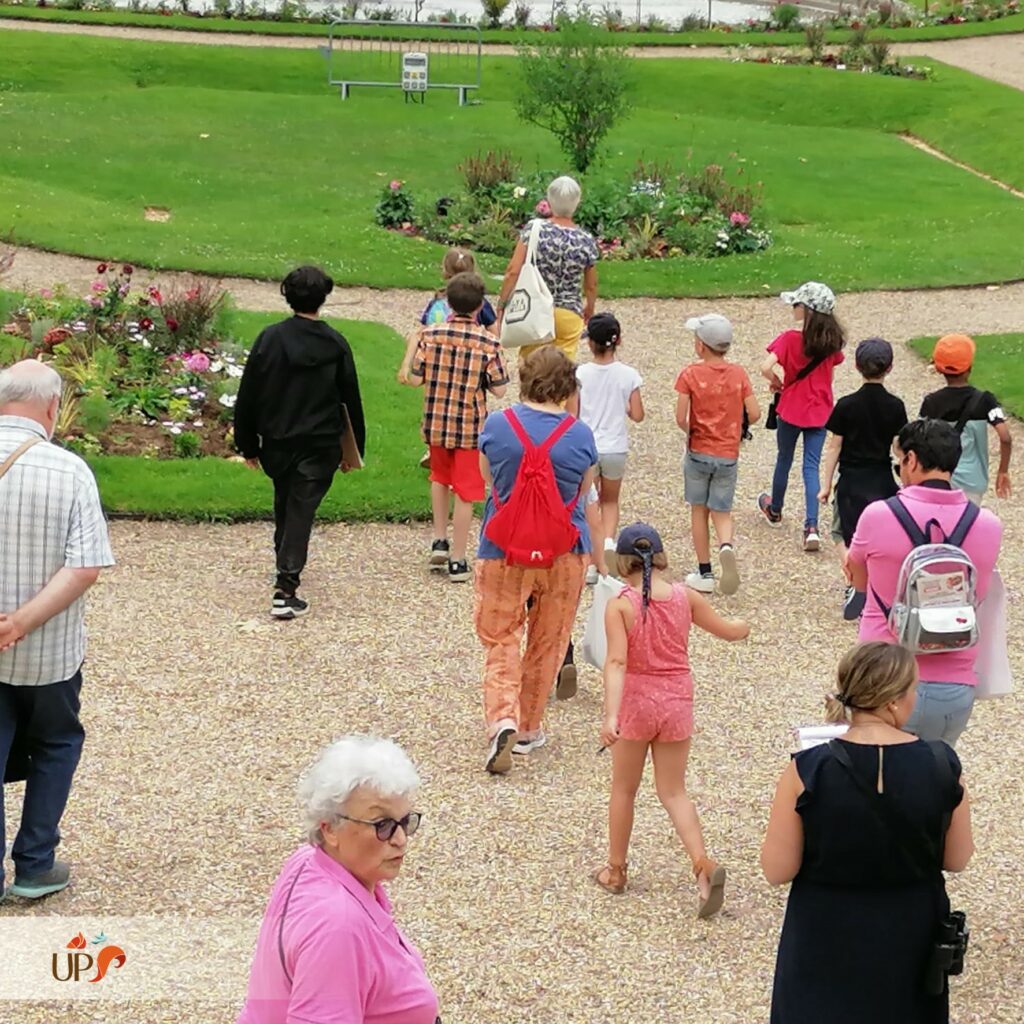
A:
716	876
614	880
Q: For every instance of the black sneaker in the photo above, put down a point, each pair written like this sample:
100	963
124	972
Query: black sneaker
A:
764	504
285	607
853	604
439	556
458	572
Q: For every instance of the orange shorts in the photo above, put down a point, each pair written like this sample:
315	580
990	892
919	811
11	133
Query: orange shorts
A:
459	469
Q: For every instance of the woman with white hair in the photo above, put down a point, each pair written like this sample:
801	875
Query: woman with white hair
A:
566	258
329	950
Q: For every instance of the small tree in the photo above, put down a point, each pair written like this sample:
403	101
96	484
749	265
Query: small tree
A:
493	10
575	84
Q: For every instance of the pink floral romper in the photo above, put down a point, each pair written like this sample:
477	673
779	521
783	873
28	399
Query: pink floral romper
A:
657	699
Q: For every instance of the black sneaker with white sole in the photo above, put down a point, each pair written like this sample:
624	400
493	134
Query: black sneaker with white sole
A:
499	757
439	556
286	606
458	572
853	604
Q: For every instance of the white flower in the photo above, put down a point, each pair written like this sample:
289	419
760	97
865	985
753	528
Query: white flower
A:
181	391
146	344
519	192
723	236
235	371
228	401
216	367
198	423
174	430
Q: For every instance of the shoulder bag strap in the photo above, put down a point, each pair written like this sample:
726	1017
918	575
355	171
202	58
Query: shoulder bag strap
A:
963	526
809	368
531	246
18	452
893	822
520	432
972	403
558	433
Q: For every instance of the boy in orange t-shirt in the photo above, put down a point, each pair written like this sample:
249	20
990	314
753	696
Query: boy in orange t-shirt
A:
713	395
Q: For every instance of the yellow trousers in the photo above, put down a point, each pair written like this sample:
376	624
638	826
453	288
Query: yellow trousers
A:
568	328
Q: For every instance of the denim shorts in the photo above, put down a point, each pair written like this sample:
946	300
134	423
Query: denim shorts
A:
941	711
709	480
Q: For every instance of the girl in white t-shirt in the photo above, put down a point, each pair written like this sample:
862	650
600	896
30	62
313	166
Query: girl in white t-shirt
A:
609	395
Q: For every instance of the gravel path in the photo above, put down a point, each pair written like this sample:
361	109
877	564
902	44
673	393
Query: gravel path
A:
201	713
1000	58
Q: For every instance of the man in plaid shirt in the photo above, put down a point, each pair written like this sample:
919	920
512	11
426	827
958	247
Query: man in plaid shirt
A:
53	543
457	363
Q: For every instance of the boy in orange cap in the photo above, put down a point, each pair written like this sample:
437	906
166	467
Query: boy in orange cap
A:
971	411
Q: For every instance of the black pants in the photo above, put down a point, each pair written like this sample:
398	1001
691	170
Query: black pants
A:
40	723
302	475
856	490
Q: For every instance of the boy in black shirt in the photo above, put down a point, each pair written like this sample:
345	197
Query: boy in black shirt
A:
862	429
289	419
972	412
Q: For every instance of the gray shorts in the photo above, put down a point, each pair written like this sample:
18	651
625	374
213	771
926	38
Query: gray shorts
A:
612	466
837	527
709	480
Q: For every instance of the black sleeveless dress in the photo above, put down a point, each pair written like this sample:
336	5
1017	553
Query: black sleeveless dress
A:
860	922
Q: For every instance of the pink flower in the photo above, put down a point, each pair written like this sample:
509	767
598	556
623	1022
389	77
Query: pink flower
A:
196	362
543	208
155	295
96	303
395	185
99	287
738	219
45	293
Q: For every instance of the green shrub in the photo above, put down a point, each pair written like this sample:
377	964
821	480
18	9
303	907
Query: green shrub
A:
395	207
493	10
485	171
785	16
186	445
815	35
95	412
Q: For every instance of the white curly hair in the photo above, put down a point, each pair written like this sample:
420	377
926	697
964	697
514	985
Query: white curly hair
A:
564	195
346	765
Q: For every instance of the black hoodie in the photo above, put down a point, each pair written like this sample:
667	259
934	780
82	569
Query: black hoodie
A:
297	377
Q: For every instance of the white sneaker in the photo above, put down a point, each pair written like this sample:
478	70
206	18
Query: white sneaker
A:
528	744
591	577
609	544
812	542
702	584
730	573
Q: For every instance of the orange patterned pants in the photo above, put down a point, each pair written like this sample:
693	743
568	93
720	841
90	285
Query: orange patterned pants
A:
517	683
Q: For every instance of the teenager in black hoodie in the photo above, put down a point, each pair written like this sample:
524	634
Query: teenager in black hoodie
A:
299	380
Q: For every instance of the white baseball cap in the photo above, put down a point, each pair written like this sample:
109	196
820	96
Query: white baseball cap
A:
812	294
713	329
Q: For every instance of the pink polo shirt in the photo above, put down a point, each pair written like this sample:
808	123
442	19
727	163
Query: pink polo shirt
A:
807	402
337	957
881	544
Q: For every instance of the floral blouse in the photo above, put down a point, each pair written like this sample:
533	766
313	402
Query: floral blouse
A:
563	254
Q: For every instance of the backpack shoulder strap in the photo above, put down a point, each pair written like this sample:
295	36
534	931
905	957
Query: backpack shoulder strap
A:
917	536
558	433
972	403
519	430
964	524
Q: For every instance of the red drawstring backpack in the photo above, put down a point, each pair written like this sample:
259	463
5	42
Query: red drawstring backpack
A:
534	527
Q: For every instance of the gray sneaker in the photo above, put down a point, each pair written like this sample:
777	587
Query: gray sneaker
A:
32	887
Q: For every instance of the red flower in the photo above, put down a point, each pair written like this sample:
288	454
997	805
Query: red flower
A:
56	335
146	324
127	270
172	324
101	268
155	295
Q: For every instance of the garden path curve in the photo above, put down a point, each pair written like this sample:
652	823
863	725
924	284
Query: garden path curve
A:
1000	58
201	712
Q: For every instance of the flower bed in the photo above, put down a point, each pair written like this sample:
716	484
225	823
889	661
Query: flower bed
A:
146	372
655	213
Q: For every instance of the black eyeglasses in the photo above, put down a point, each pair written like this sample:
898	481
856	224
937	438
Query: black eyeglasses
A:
386	827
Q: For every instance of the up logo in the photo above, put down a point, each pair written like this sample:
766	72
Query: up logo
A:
72	966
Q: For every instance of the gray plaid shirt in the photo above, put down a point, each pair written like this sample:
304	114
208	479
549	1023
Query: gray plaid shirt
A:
50	518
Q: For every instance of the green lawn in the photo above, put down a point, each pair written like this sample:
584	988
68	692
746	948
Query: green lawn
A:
998	367
390	487
1001	26
263	166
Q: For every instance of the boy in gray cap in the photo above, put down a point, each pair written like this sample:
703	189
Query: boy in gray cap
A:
713	395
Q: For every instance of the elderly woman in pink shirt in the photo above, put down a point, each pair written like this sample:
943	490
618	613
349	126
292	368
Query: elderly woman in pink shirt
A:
329	951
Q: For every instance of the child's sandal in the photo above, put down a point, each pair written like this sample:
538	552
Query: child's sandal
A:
612	878
716	876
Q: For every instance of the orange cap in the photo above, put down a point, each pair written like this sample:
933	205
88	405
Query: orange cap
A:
954	353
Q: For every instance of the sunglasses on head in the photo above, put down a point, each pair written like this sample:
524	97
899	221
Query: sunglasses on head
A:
386	827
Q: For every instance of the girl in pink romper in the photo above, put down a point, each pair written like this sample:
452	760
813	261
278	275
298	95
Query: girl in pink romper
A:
649	703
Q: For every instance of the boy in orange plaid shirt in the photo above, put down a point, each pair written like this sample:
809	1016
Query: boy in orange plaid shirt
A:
457	362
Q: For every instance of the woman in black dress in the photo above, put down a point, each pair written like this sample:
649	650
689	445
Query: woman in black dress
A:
863	828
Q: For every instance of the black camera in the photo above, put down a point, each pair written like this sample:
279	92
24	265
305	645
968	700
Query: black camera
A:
948	954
